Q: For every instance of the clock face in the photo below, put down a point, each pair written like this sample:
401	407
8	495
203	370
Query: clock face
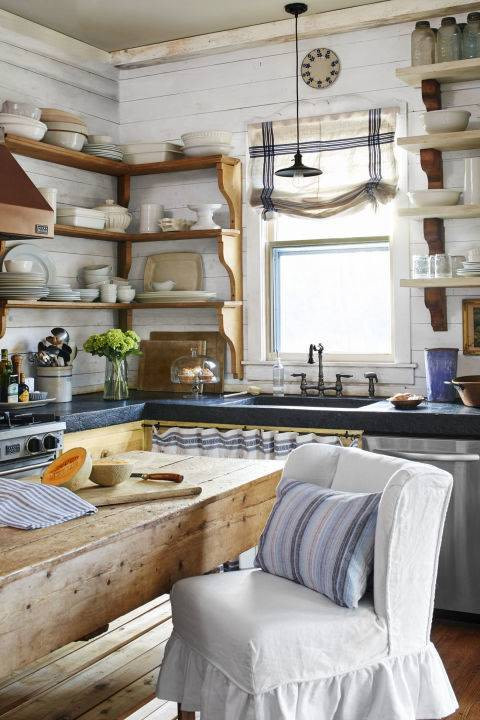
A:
320	68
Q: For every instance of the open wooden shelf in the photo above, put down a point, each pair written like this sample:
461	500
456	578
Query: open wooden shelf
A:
446	72
465	140
453	282
229	317
446	212
229	241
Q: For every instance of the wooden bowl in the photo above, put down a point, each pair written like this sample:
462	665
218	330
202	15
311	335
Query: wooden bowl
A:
111	472
408	404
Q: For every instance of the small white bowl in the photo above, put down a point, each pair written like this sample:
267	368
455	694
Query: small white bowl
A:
434	198
65	139
124	295
165	285
18	266
97	269
437	121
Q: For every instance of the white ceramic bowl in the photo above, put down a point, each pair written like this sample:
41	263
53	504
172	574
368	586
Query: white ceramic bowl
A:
437	121
125	295
97	269
22	109
89	295
65	139
165	285
434	198
206	150
100	140
98	284
149	147
23	126
207	137
18	266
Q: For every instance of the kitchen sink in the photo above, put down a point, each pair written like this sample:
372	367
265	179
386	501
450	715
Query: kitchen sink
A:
298	401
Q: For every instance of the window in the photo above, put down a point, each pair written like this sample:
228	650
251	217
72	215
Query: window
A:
330	281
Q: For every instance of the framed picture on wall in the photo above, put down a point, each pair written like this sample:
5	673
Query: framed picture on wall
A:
471	327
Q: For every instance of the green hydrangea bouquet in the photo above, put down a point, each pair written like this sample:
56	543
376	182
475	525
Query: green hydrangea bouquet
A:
115	345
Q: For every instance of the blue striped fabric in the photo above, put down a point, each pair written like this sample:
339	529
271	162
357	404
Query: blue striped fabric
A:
29	505
323	539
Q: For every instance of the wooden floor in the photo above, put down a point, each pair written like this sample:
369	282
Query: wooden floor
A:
107	677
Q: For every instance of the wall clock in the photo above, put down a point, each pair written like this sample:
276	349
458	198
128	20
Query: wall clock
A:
320	68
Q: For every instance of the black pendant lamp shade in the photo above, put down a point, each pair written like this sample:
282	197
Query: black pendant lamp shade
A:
298	169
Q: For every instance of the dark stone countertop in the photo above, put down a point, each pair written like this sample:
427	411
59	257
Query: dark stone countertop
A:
86	412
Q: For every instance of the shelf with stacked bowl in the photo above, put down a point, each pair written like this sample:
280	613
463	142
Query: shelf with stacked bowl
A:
430	146
229	240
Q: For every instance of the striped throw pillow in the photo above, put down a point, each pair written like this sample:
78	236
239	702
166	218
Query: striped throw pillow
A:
323	539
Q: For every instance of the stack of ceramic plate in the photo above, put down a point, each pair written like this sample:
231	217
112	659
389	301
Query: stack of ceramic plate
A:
62	292
471	268
22	286
159	296
207	142
103	146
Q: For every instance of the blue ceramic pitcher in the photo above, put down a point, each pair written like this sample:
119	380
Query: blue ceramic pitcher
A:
441	367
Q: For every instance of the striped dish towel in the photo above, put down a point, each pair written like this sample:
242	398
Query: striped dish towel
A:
29	506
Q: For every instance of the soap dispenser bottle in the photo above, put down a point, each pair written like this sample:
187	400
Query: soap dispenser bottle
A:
278	377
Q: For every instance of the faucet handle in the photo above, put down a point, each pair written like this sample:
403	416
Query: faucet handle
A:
300	375
371	376
339	376
303	382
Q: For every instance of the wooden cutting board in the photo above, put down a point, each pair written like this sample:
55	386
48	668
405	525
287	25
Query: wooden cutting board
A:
156	361
137	490
215	348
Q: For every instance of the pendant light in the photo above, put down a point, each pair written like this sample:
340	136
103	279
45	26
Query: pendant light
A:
298	170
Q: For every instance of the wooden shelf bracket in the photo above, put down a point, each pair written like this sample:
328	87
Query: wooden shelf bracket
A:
230	325
230	185
230	255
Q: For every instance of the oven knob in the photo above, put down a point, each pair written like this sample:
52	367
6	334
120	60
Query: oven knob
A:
34	445
51	442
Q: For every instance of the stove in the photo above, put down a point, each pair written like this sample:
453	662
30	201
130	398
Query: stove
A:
29	442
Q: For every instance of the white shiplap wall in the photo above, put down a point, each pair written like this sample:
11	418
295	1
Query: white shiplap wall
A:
39	66
229	91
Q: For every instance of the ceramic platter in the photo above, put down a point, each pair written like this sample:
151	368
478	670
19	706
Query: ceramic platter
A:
320	68
42	263
184	268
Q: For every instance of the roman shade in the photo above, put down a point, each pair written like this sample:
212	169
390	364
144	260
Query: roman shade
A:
355	152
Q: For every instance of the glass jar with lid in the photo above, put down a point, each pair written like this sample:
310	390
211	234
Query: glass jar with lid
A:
423	44
448	41
195	371
471	36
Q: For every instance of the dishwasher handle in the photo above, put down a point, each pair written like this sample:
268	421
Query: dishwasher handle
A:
432	457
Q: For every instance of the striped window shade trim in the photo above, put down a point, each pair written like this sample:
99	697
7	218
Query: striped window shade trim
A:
323	539
355	152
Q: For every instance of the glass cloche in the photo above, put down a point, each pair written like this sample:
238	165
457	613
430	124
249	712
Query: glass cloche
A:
196	371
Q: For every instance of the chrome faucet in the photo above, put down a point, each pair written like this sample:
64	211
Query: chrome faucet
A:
320	386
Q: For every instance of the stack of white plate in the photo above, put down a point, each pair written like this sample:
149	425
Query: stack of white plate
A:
22	286
207	142
103	146
471	268
159	296
63	292
139	153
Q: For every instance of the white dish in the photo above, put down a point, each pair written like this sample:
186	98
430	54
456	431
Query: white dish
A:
166	285
100	139
56	115
11	107
67	140
23	126
150	157
133	148
67	126
97	269
87	222
207	150
207	137
437	121
434	198
18	266
42	263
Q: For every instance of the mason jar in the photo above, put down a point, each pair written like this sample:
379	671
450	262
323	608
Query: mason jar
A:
448	41
423	44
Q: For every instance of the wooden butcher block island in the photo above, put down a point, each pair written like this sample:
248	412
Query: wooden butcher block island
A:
62	583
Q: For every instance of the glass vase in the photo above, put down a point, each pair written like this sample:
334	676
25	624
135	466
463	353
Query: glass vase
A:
116	379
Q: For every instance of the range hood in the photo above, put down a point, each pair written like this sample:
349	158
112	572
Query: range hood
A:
24	212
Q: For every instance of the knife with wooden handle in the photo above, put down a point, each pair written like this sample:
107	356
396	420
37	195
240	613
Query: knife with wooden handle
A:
171	477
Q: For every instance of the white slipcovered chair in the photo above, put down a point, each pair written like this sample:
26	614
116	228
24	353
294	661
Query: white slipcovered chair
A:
252	646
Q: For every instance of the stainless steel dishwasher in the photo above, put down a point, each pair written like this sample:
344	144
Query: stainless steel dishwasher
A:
458	584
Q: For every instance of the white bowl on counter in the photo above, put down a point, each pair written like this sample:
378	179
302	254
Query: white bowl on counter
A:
81	217
21	109
65	139
23	126
18	266
434	198
438	121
